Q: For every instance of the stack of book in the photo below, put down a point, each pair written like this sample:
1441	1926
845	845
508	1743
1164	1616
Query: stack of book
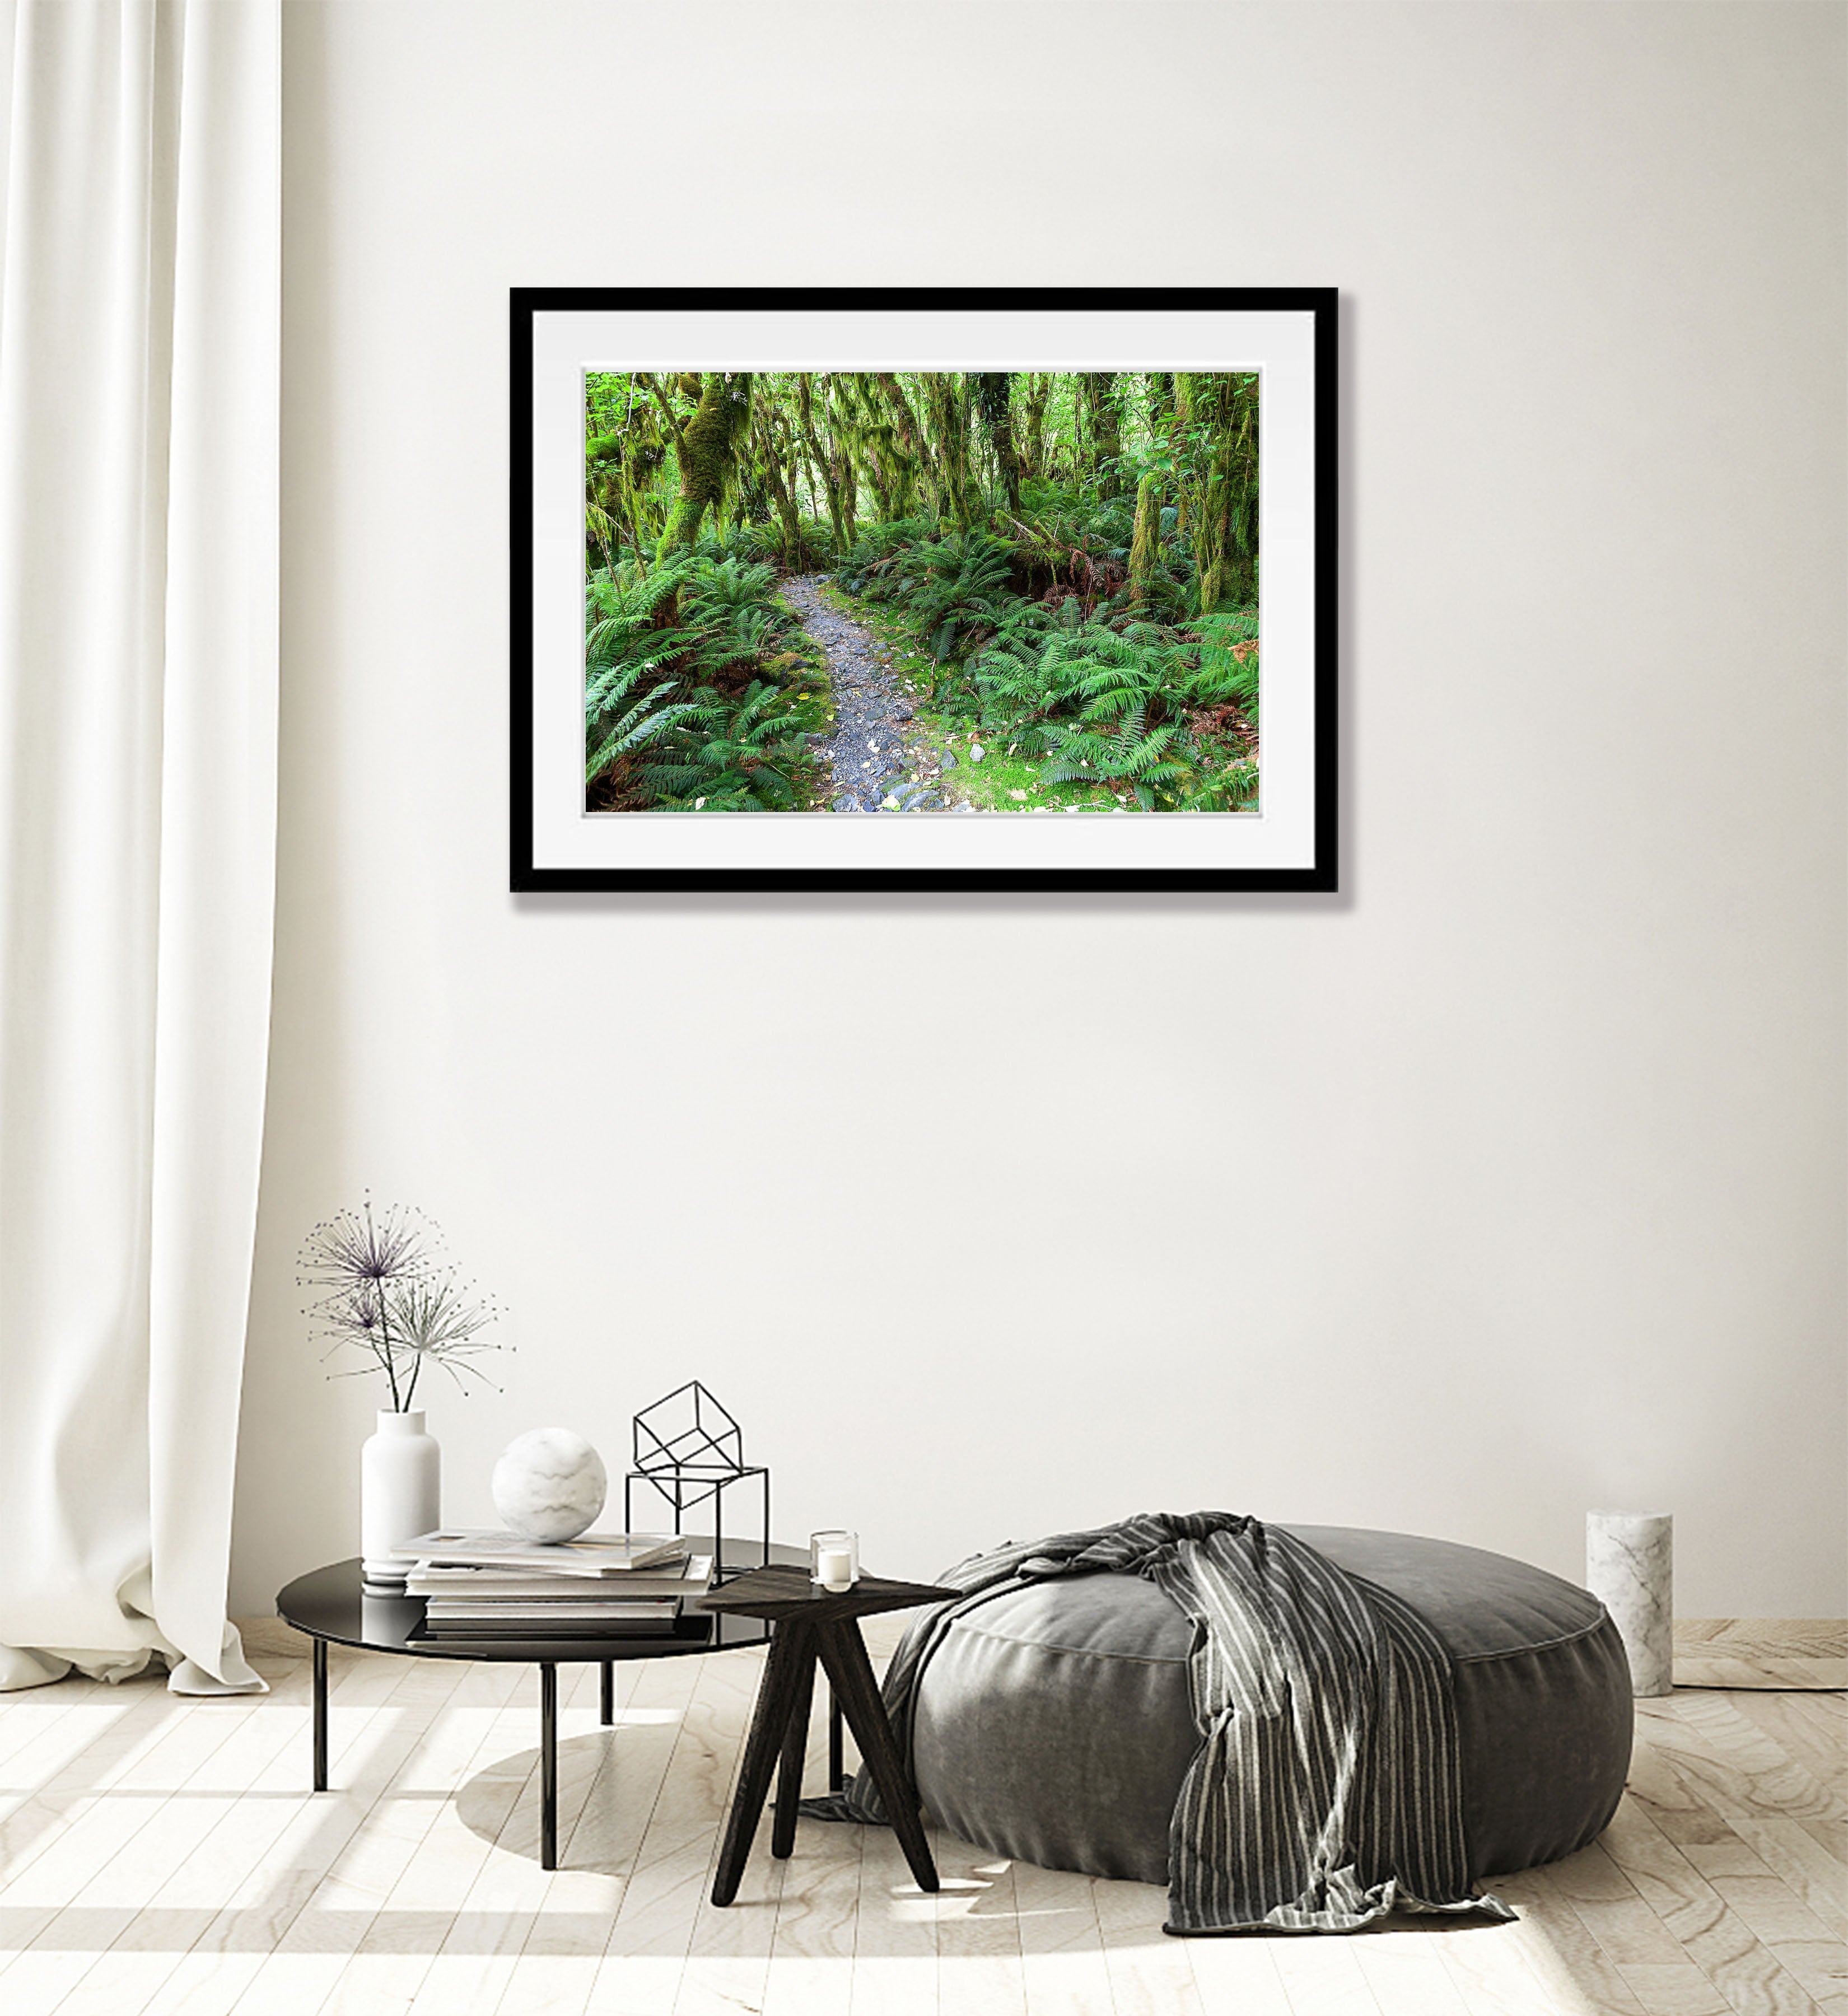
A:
487	1585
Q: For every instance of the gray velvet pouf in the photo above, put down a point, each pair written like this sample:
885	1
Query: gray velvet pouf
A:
1054	1725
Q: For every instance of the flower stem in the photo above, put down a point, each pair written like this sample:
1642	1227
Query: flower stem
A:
386	1353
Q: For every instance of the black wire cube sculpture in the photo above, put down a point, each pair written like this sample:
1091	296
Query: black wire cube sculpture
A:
688	1449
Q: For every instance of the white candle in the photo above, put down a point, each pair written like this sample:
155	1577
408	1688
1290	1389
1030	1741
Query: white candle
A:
836	1565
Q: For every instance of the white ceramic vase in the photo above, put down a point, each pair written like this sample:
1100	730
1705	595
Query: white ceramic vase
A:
400	1472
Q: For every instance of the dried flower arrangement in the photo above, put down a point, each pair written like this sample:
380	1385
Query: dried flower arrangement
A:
386	1289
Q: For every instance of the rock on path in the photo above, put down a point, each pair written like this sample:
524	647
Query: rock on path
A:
877	764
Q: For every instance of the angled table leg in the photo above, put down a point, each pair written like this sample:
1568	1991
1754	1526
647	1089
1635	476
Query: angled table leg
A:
605	1698
812	1621
850	1674
548	1765
790	1666
320	1714
795	1750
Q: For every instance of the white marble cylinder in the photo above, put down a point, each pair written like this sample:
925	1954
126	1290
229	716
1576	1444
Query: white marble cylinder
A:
1629	1567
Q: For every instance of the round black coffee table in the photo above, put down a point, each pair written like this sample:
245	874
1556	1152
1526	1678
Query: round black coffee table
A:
332	1605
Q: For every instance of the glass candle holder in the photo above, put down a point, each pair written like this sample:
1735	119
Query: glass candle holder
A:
834	1560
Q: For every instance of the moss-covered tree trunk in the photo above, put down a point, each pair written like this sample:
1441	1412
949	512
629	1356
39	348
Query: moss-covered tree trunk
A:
910	457
847	484
1104	402
1039	398
882	491
1226	544
949	430
994	393
823	464
604	495
802	478
706	451
866	427
1178	427
620	467
1145	548
772	454
1161	402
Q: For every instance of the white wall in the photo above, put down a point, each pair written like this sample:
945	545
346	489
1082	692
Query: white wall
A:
1509	1183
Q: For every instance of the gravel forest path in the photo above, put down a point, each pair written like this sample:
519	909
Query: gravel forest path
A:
881	762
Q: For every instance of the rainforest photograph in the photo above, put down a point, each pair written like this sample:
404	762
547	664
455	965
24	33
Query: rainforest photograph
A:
939	592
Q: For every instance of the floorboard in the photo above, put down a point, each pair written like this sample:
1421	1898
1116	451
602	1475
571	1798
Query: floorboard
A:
162	1856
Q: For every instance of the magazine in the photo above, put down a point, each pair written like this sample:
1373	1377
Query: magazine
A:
590	1553
486	1581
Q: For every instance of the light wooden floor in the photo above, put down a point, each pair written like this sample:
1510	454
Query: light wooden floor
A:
164	1856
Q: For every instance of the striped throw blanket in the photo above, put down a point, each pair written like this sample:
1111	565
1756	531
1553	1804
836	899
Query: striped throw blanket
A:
1326	1790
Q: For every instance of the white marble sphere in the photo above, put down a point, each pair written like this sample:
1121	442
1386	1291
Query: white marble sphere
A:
550	1484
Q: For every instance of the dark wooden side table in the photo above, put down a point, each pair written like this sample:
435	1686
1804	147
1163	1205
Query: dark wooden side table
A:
811	1624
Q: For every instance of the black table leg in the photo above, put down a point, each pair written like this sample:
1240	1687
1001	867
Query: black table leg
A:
791	1660
837	1764
850	1673
548	1765
795	1751
606	1708
320	1714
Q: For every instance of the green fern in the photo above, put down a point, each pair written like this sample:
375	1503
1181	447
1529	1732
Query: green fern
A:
1228	667
1123	749
695	625
1231	787
732	585
957	588
613	730
742	754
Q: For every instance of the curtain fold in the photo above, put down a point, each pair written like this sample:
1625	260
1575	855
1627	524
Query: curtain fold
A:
139	409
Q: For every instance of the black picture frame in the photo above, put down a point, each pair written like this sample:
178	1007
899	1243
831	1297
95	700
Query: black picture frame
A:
1317	871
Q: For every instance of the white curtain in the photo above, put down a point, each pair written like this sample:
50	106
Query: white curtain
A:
139	387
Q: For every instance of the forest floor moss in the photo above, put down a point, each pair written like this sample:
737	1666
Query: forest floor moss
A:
1003	779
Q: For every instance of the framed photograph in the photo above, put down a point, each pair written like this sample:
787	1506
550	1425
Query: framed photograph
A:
1022	589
